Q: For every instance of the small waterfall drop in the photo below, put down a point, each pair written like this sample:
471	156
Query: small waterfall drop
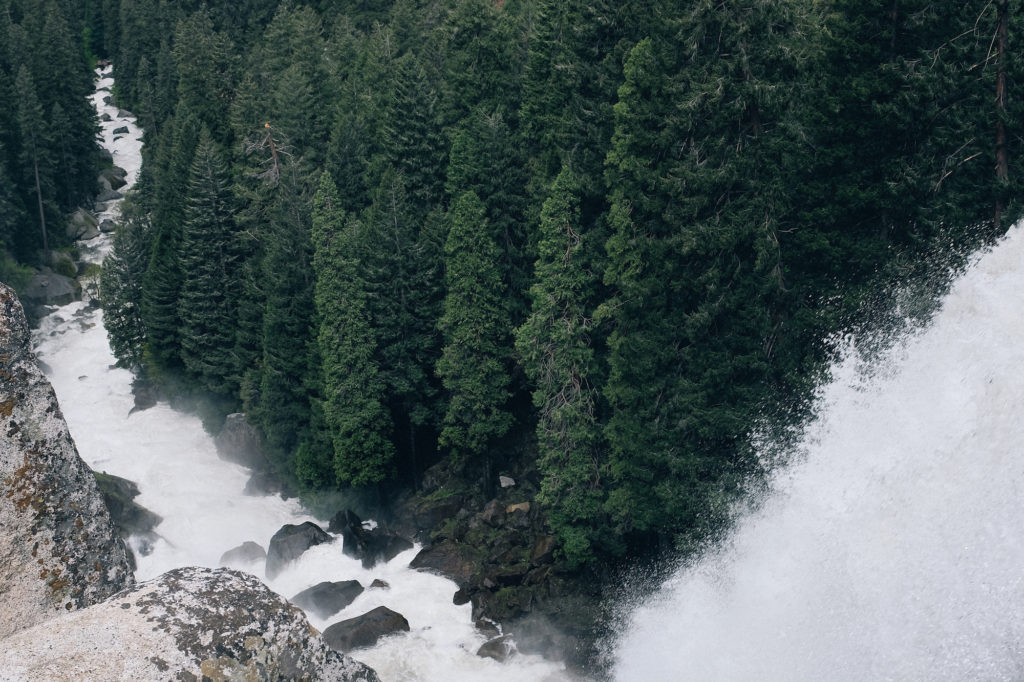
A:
891	547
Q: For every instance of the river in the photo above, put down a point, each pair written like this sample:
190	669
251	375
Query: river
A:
200	497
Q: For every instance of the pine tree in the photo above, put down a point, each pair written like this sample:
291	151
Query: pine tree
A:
206	305
558	356
484	159
354	395
476	345
121	286
287	283
162	283
406	288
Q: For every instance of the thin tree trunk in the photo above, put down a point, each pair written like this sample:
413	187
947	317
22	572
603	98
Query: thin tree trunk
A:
1002	161
39	196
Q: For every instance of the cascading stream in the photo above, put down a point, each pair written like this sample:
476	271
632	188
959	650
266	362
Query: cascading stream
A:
199	496
891	546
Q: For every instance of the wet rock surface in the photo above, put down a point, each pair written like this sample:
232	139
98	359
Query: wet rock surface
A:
371	546
240	442
119	494
188	624
365	630
290	542
325	599
59	550
248	552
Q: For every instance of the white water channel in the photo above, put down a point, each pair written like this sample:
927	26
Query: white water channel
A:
892	546
180	477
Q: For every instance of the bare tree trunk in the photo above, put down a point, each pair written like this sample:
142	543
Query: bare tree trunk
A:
1002	161
39	195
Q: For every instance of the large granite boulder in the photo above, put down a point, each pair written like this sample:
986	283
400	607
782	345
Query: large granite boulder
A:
188	624
289	543
59	550
325	599
49	288
82	225
365	630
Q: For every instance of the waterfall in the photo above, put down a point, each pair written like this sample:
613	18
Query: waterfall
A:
891	546
201	500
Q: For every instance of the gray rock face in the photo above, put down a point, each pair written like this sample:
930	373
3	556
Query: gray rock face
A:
325	599
246	553
240	442
365	630
290	542
109	195
498	648
188	624
49	288
113	177
128	516
82	225
59	550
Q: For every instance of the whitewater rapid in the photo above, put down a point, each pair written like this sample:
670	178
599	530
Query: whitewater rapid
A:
892	545
199	496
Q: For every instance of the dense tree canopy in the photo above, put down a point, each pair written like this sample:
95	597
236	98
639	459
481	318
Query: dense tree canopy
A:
643	215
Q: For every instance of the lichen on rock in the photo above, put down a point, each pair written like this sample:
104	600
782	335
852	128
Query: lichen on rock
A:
58	549
189	623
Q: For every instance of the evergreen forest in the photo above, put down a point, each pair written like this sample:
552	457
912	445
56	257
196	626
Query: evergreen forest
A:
593	245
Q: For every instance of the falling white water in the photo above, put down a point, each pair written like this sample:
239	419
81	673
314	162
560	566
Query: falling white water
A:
892	547
205	513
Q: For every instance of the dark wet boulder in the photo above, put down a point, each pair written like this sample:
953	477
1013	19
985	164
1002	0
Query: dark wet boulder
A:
371	546
452	560
498	648
123	130
365	630
246	553
325	599
129	517
289	543
188	624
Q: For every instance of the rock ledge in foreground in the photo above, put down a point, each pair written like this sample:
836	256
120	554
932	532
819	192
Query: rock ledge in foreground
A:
188	624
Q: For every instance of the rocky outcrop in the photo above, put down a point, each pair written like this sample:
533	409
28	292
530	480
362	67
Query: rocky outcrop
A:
112	178
370	545
365	630
59	550
82	225
188	624
289	543
49	288
325	599
128	516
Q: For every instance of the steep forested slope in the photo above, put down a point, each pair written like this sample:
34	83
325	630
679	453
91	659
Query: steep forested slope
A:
587	243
